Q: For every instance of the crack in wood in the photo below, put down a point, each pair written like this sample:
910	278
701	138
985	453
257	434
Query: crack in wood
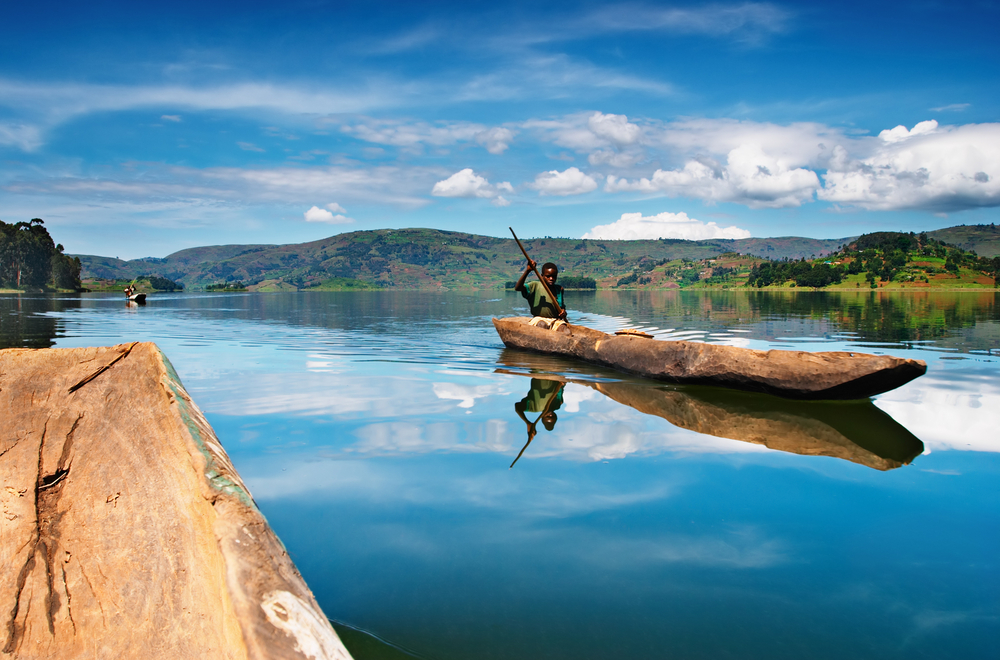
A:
44	540
11	447
13	635
121	356
69	599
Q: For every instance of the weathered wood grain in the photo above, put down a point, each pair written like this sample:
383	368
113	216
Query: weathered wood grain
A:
125	532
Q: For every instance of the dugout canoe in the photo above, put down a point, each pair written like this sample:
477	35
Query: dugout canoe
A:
832	375
126	531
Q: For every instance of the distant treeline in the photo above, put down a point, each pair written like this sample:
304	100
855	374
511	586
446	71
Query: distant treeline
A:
162	283
567	282
802	272
227	286
30	258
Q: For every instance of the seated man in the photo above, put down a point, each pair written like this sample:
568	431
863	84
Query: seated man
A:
538	297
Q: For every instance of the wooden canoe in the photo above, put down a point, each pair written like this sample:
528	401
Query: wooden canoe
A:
126	530
791	374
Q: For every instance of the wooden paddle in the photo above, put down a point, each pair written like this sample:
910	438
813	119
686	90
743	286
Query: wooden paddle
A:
552	297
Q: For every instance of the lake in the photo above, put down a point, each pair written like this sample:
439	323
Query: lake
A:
376	431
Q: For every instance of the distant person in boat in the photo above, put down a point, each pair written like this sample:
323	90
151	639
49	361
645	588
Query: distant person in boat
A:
129	290
538	298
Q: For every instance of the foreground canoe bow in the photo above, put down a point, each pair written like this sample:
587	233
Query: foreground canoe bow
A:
791	374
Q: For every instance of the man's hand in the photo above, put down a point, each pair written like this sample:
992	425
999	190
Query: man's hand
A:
562	315
531	265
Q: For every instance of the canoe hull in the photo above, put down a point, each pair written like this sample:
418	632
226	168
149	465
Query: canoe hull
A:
790	374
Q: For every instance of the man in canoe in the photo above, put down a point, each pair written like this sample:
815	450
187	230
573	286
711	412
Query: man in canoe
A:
538	298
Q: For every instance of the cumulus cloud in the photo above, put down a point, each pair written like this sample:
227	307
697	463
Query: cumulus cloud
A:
316	214
585	132
468	184
929	167
614	128
496	140
750	176
561	184
900	133
635	226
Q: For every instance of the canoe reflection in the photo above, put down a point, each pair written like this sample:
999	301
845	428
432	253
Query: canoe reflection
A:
855	431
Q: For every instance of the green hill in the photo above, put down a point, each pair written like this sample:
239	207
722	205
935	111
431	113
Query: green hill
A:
431	259
984	240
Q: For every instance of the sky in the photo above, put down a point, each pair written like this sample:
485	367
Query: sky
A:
137	130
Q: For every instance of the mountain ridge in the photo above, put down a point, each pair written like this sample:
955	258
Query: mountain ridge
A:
422	258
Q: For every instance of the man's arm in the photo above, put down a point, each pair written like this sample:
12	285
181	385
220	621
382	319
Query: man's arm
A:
527	269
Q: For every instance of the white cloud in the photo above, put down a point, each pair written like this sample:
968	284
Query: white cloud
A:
336	208
400	186
23	136
948	413
248	146
952	107
900	133
496	140
750	176
561	184
931	167
413	135
615	158
316	214
173	118
468	184
614	128
750	21
634	226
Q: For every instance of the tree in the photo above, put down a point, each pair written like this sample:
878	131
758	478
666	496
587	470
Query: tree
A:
29	257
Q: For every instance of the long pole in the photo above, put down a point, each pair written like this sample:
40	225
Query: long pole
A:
552	297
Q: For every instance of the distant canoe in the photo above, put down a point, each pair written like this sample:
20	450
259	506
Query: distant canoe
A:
790	374
137	298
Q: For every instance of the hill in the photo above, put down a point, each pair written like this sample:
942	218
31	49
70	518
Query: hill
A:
432	259
984	240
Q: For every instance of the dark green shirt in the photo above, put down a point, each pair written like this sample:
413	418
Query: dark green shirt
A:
540	396
538	299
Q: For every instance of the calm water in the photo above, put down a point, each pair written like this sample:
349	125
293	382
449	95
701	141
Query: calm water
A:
376	431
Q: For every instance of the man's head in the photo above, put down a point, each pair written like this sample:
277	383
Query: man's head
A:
549	420
550	272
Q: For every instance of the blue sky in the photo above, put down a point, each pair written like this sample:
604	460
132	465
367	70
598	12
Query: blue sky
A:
137	131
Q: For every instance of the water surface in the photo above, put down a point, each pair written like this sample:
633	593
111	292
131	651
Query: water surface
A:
376	431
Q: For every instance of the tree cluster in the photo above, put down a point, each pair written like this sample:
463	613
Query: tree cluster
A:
801	272
29	257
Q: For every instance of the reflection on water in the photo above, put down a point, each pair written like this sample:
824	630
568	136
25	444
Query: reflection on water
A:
544	398
856	431
25	321
375	432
